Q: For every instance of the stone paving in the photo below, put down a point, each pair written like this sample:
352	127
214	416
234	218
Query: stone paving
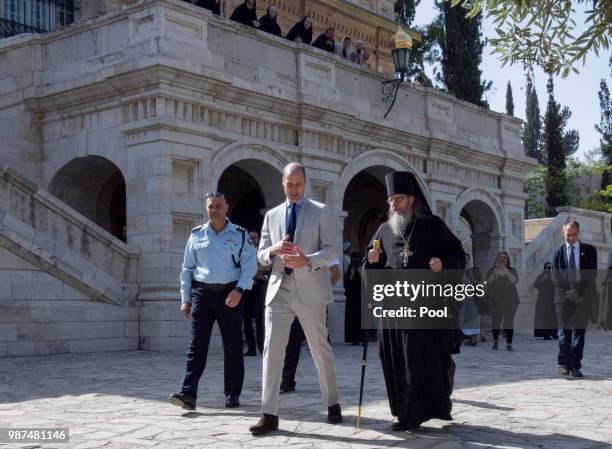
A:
501	400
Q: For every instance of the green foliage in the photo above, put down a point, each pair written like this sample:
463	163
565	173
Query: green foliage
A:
600	201
535	188
532	127
544	32
605	129
578	177
509	100
558	145
424	52
462	46
405	11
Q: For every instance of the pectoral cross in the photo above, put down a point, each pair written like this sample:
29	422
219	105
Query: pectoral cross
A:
406	253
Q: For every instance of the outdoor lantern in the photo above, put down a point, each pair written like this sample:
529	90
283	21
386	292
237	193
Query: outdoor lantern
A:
401	56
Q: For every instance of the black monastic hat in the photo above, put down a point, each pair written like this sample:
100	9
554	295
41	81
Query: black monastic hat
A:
405	183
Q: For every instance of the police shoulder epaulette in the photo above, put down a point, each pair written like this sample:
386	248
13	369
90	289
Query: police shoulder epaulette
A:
241	228
197	228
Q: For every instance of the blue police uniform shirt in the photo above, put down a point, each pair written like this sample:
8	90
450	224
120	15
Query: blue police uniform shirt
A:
208	258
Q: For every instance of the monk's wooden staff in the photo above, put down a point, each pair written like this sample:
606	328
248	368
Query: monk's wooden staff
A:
375	246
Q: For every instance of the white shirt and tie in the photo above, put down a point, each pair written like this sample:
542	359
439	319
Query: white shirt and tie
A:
575	248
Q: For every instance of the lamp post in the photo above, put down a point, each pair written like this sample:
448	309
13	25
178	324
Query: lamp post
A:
401	55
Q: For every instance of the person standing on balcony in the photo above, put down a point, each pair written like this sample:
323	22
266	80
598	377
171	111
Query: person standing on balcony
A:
325	41
301	32
503	297
218	266
574	269
346	50
246	14
361	55
268	21
212	5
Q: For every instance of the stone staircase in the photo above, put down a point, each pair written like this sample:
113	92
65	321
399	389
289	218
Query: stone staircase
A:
68	284
544	236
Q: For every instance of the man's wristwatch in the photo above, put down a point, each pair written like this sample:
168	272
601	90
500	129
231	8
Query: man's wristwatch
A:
239	289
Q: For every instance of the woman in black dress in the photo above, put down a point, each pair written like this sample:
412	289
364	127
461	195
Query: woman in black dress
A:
545	319
301	31
246	14
503	296
268	21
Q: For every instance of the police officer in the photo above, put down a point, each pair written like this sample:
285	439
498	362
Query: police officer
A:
219	264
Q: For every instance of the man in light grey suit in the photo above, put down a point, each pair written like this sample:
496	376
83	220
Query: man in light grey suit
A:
298	239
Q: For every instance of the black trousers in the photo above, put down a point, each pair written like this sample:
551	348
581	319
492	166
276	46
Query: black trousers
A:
254	311
505	315
206	308
292	353
573	322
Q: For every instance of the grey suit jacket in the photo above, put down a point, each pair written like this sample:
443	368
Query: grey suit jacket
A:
315	235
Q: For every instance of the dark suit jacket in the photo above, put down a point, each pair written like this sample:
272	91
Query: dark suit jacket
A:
588	273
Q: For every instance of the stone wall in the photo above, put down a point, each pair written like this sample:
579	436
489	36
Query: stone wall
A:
65	285
173	97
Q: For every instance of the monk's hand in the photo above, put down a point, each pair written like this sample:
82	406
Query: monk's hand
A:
233	299
186	309
295	260
283	247
435	264
373	256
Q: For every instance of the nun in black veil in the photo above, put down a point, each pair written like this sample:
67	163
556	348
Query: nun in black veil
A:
301	31
246	14
268	21
212	5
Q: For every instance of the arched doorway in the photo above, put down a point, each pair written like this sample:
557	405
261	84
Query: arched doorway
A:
251	187
483	239
365	205
94	187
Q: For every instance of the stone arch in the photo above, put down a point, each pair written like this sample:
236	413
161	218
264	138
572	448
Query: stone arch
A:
265	165
376	157
484	216
362	194
95	187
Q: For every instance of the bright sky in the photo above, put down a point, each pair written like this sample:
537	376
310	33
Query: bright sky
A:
578	92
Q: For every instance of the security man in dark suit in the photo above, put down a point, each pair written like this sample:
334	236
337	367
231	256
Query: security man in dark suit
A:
218	266
574	270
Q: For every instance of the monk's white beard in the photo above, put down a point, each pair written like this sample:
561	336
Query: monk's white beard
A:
398	223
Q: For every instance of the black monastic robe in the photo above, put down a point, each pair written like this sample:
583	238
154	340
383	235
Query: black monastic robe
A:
242	14
417	364
270	25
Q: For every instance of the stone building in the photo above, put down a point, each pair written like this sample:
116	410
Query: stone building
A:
113	128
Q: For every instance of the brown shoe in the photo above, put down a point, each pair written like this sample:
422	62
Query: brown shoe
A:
334	414
267	423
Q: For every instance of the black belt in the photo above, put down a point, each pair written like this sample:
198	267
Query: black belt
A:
213	287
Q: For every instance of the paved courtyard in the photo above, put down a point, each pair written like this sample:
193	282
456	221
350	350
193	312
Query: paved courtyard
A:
501	400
